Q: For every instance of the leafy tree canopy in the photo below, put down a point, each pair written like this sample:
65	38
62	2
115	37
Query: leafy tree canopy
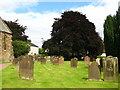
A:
73	35
20	48
18	31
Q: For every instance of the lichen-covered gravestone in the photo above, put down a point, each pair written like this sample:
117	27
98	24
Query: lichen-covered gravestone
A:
26	67
110	68
61	60
93	71
55	60
87	61
74	62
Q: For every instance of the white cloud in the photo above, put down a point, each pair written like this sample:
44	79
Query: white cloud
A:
97	12
39	25
11	5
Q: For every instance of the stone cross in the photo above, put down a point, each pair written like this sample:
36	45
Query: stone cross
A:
74	62
26	67
110	68
93	71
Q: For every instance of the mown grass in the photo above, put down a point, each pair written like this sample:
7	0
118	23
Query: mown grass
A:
51	76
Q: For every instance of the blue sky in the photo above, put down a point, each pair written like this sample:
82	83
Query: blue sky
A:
42	7
38	15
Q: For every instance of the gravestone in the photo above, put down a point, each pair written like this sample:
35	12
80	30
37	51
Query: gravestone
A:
48	58
55	60
43	60
26	67
110	68
51	59
16	63
74	62
87	61
61	60
93	71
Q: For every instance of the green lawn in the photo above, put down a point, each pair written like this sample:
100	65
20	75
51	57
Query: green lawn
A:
51	76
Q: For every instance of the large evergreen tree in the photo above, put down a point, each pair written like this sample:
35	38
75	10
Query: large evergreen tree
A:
73	35
112	35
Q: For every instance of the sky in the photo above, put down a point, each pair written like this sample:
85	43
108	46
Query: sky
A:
38	15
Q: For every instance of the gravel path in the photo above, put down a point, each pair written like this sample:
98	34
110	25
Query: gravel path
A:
2	66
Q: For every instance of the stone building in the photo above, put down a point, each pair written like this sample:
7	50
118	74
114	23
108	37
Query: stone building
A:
6	49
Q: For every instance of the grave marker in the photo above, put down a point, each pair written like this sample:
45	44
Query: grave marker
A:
26	67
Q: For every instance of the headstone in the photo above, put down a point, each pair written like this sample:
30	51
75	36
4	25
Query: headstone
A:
26	67
16	63
61	60
110	68
93	71
48	58
55	60
43	60
51	59
87	61
74	62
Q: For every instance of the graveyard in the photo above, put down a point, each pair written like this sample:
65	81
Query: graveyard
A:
54	76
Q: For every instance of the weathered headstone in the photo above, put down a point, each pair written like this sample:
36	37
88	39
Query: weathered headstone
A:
55	60
43	60
26	67
110	68
51	59
87	61
74	62
48	58
16	63
61	60
93	71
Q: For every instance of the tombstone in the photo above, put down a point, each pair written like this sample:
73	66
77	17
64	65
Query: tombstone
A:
16	63
74	62
110	68
93	71
48	58
26	67
87	61
55	60
51	59
61	60
43	60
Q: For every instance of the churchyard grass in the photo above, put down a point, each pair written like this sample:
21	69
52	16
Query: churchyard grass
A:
54	76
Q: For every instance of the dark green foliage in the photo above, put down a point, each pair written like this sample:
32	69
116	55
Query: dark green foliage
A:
112	35
42	52
73	35
18	31
20	48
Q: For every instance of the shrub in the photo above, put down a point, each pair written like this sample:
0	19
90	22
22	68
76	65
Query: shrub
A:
20	48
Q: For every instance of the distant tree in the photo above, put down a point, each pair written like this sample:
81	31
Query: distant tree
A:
109	38
20	48
18	31
41	51
73	35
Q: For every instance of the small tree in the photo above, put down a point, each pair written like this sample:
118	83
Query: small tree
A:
20	48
